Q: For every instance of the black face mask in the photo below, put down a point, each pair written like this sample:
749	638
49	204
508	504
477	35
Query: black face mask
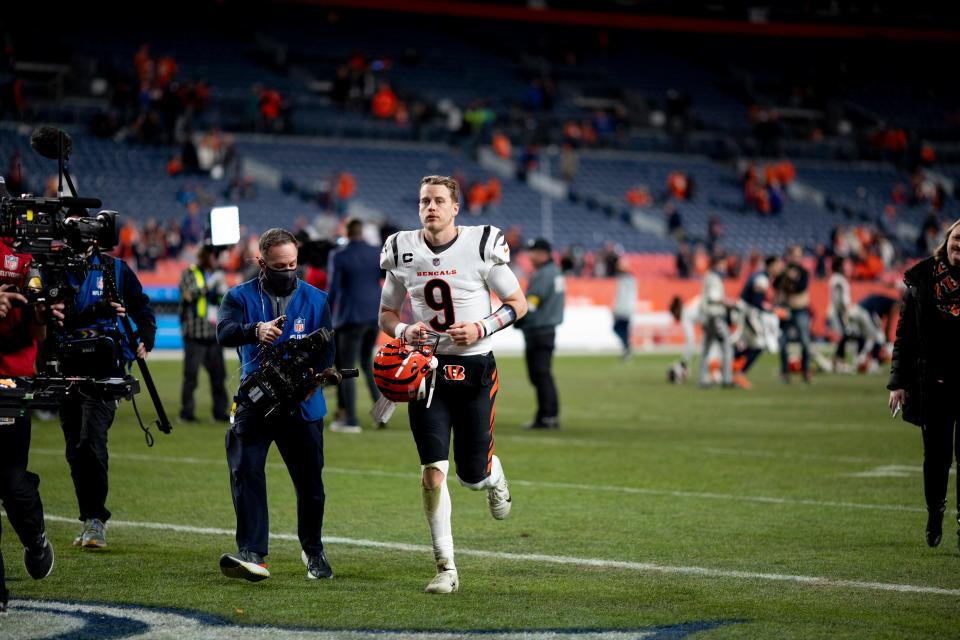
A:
281	281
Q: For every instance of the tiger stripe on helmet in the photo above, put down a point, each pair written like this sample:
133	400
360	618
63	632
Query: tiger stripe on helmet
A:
399	370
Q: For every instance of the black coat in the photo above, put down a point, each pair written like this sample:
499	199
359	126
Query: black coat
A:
917	349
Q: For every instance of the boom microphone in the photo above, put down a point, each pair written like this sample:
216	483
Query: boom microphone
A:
46	141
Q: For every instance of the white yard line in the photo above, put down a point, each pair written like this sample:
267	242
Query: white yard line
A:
786	455
599	563
539	484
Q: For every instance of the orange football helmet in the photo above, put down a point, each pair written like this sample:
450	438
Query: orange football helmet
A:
401	369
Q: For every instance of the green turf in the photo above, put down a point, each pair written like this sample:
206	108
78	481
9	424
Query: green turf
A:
622	427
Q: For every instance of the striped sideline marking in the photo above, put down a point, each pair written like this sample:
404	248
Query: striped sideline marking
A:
599	563
702	495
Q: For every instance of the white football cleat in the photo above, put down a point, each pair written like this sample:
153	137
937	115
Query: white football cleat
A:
498	499
446	581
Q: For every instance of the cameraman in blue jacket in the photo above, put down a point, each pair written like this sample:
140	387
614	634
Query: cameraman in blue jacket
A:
250	320
86	419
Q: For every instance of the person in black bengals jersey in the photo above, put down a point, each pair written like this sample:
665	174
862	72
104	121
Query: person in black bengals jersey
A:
449	272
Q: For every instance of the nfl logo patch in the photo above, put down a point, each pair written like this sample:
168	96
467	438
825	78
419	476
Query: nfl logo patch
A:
100	282
10	263
298	325
436	262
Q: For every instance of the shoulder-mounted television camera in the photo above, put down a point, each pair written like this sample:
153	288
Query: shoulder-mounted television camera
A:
285	374
60	237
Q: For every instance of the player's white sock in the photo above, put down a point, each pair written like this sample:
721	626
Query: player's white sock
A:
496	473
437	507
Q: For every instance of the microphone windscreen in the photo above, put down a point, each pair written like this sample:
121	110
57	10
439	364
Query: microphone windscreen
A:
46	141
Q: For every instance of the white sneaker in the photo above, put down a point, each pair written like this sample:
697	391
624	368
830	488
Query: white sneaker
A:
498	499
446	581
343	427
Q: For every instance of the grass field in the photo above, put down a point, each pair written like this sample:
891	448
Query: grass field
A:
787	511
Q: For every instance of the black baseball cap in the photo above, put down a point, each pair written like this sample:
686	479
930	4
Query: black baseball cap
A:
539	243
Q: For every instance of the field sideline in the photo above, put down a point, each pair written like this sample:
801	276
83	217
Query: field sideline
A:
656	511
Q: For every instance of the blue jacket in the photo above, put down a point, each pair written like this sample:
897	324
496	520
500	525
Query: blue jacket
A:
245	305
92	311
354	287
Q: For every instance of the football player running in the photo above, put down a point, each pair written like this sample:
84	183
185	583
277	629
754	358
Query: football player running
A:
449	272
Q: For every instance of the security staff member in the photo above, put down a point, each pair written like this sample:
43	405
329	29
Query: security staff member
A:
545	298
20	328
86	419
354	290
250	320
202	287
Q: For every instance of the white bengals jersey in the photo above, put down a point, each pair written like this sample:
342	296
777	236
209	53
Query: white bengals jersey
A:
451	286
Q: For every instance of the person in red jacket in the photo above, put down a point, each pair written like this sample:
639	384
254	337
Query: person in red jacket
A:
21	327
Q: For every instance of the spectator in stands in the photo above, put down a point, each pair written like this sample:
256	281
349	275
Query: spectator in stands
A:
354	273
529	160
501	145
128	237
345	186
479	118
191	228
677	185
821	258
569	163
674	222
173	239
924	375
571	260
340	87
684	261
202	287
638	197
476	198
714	233
774	197
152	247
607	260
270	106
494	193
383	105
793	297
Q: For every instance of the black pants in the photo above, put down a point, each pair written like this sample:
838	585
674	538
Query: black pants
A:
941	444
209	354
85	422
19	488
798	322
749	355
621	327
464	405
355	342
538	350
301	445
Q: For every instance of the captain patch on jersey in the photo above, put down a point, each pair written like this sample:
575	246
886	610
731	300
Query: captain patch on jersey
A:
452	285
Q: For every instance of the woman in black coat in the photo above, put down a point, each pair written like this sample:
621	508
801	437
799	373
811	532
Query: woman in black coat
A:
925	371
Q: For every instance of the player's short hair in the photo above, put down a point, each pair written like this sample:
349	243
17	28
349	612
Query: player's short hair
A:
273	237
354	228
445	181
940	253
